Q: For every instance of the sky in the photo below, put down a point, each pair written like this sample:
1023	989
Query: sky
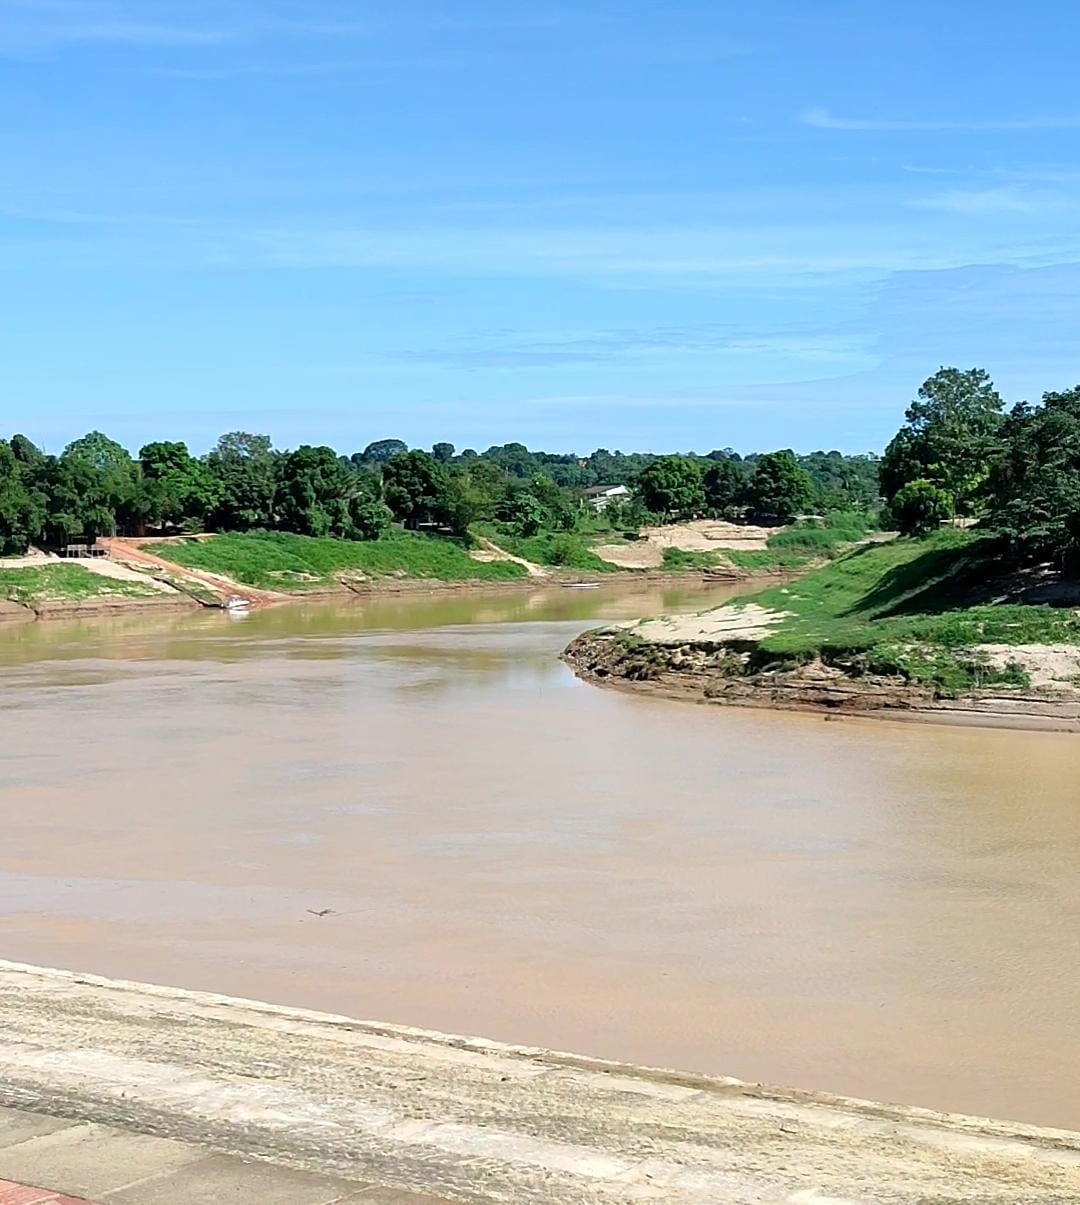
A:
647	226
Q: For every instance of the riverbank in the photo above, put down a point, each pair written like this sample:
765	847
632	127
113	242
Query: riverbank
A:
474	1120
186	573
921	628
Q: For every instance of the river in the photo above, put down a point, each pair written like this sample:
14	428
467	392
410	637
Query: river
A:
879	909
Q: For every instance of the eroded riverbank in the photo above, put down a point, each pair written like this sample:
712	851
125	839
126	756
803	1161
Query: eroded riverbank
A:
877	910
718	670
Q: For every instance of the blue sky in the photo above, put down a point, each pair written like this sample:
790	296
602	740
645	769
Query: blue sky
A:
635	225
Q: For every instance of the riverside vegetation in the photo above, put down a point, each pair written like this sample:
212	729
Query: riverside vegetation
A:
299	519
976	597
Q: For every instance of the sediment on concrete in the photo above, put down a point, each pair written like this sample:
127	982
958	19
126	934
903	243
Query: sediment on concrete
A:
472	1120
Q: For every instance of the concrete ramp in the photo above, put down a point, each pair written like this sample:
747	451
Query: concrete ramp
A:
471	1120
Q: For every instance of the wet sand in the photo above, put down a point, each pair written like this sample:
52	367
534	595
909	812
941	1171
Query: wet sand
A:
880	910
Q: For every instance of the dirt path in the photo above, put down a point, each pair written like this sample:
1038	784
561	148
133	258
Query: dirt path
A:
479	1121
128	551
490	551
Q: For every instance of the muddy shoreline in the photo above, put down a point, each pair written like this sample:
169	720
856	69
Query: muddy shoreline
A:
683	672
12	612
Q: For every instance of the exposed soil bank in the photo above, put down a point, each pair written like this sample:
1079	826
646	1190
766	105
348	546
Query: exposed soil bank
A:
720	667
481	1121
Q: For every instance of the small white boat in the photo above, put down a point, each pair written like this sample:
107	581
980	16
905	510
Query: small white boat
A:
235	603
580	585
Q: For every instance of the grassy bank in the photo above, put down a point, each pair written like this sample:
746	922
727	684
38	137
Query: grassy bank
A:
36	586
557	549
753	560
906	607
282	561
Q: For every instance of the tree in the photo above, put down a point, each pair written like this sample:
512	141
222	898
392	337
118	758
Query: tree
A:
523	512
671	486
244	468
177	488
103	475
950	437
313	493
1035	483
725	486
920	507
369	516
780	488
443	452
559	515
382	450
414	487
26	452
22	514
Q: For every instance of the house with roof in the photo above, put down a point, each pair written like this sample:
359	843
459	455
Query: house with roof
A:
599	497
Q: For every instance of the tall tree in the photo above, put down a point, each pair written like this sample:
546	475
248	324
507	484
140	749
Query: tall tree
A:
381	450
1035	483
102	473
672	486
22	514
244	467
725	486
780	488
178	489
313	493
414	487
950	437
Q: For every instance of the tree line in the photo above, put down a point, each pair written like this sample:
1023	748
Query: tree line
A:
96	487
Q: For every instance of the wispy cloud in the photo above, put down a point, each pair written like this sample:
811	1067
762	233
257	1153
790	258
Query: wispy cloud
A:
822	119
990	202
639	346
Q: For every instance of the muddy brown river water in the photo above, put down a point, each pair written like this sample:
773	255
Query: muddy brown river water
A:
872	908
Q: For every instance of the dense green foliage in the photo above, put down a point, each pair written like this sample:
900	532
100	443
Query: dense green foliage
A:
95	487
780	488
957	455
672	487
920	507
285	561
1034	496
949	438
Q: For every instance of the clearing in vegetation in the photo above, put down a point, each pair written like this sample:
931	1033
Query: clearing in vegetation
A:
287	562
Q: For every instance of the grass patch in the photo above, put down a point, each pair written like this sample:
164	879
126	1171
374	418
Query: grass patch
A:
678	559
903	607
283	561
66	583
559	549
753	560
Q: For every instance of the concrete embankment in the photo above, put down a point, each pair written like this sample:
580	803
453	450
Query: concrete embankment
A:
472	1120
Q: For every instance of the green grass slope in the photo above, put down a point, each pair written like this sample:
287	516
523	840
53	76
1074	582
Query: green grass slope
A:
282	561
35	585
905	606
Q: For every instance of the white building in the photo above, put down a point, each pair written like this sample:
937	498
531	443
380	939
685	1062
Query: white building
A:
599	496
